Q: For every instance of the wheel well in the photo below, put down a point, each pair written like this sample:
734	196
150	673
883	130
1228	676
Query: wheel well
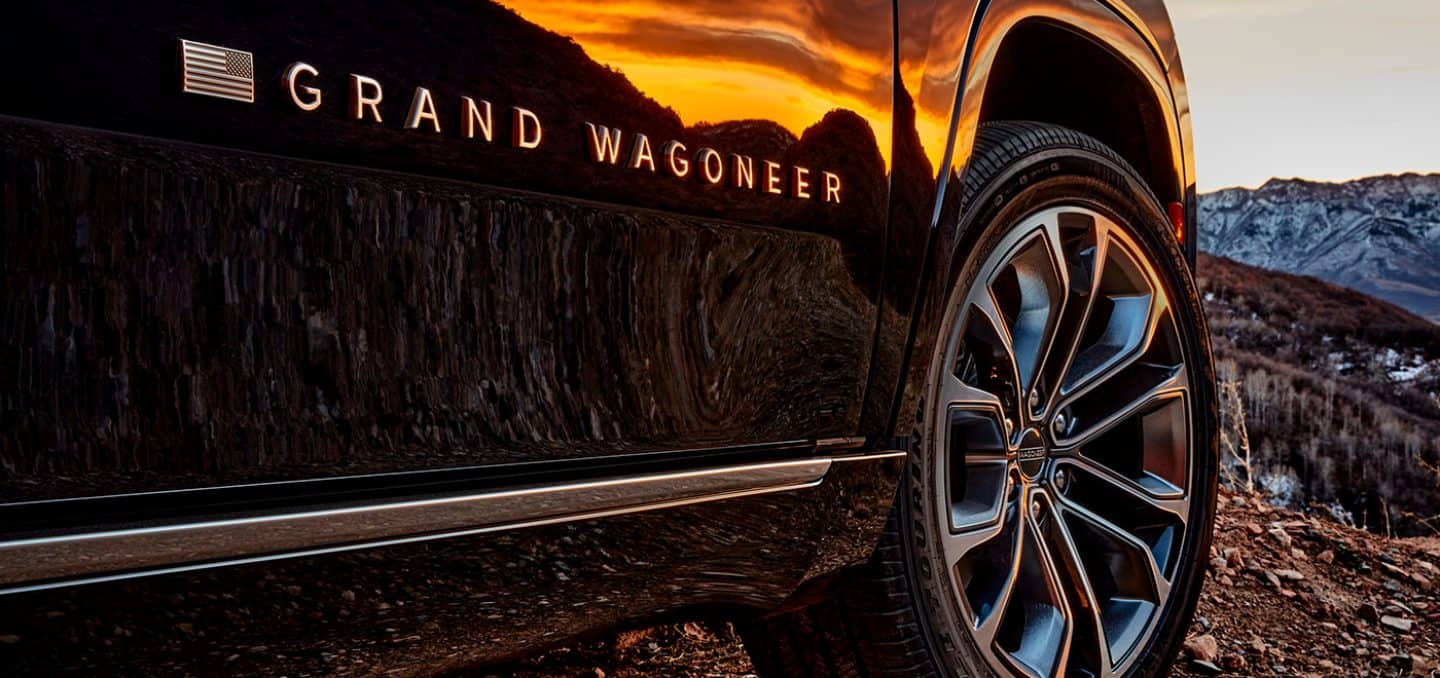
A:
1048	73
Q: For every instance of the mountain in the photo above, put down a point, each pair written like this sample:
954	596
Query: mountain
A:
1379	235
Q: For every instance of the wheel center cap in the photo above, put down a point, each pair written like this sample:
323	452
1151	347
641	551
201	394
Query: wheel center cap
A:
1030	454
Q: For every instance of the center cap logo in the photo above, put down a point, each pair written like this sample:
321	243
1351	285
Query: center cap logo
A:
1031	453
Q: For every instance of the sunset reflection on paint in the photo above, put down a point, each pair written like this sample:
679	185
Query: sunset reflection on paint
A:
716	61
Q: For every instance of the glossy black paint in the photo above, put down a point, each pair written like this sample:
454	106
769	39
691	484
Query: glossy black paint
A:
199	293
196	316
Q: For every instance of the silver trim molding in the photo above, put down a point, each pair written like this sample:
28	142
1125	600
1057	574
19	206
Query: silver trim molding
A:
66	560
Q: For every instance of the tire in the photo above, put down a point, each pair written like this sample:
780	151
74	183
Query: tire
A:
1061	466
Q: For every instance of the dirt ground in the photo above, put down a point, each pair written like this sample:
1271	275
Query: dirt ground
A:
1285	594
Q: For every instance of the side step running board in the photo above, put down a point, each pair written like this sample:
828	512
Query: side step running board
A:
64	560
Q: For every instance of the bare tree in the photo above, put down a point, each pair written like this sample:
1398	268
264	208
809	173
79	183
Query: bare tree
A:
1234	435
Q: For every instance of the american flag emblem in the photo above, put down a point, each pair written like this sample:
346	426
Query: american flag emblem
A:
217	71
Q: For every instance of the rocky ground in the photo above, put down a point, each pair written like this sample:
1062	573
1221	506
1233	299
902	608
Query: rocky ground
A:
1289	594
1286	594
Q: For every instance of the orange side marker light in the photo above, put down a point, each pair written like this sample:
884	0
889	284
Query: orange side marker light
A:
1177	220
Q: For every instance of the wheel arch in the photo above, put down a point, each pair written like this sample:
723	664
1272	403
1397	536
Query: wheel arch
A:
1088	67
1042	70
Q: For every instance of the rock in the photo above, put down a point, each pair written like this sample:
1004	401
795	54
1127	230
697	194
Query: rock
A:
1281	536
1394	571
1255	529
9	639
348	596
1368	612
1421	580
1327	557
1203	647
1290	575
1397	623
1273	578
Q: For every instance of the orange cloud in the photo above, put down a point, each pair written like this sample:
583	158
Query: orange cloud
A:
721	60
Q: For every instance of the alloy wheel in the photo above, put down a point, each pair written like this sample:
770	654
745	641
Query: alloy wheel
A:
1063	429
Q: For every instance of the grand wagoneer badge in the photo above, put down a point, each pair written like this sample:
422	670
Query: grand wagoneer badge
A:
215	71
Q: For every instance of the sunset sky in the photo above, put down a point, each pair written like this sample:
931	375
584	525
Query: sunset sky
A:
1320	89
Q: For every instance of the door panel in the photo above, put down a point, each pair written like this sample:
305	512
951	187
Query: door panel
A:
229	292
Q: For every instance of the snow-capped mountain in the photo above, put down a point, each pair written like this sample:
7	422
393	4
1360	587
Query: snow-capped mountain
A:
1380	235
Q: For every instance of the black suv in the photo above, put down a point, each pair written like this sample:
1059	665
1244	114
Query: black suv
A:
372	337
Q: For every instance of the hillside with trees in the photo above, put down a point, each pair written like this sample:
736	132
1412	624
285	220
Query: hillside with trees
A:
1330	398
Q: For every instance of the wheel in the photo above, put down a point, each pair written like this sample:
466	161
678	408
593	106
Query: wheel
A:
1058	505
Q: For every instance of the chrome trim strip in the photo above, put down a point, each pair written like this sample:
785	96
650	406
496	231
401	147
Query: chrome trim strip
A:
49	562
398	476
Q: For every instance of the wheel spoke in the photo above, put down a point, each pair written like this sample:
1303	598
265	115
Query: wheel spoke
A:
1093	417
1027	293
1034	631
1082	286
985	563
1109	342
990	622
986	631
1086	603
1127	586
959	542
958	394
986	308
1155	579
1131	490
981	359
